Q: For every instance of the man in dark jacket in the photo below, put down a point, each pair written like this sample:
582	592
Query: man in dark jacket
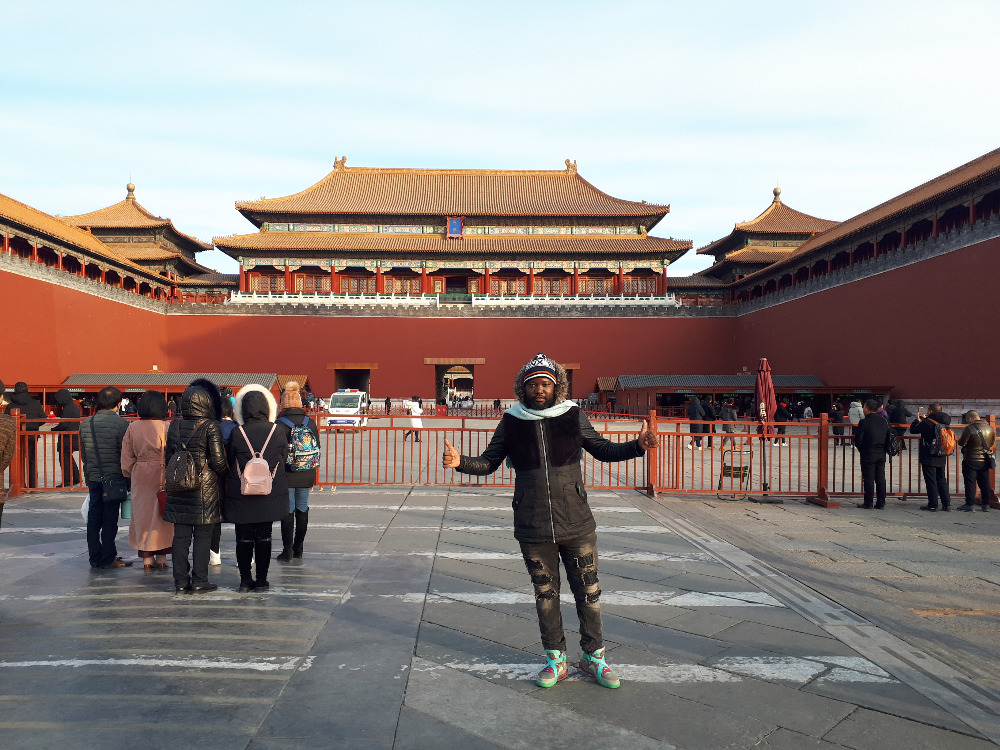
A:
710	415
34	416
542	436
696	413
101	448
870	438
69	438
898	414
195	512
977	442
933	465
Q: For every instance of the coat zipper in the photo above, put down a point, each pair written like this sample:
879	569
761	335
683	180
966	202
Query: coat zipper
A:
545	463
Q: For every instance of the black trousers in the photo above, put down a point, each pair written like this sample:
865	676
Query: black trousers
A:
184	572
936	481
873	481
253	543
974	474
579	557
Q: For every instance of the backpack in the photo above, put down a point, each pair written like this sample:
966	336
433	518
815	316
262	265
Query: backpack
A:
891	442
181	473
944	441
256	477
303	448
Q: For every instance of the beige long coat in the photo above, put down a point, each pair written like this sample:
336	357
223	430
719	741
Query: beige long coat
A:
142	459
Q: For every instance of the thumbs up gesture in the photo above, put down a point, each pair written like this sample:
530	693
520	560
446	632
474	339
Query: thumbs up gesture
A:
647	438
451	458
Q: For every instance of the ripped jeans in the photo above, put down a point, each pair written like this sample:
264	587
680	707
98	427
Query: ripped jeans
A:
579	557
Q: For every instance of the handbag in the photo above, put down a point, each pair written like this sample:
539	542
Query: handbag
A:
113	489
991	457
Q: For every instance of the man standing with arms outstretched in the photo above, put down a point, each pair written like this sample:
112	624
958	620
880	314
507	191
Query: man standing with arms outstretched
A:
542	436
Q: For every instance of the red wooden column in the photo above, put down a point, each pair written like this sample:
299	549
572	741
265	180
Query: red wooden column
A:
486	281
34	251
59	265
934	231
423	280
621	281
902	239
663	281
972	211
334	281
243	278
379	281
104	276
288	279
531	280
575	285
6	242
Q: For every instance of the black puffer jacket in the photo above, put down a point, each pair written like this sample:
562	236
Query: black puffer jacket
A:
198	430
550	500
109	429
926	429
256	412
69	411
295	415
31	409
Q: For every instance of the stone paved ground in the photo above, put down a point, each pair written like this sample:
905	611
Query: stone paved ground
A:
410	624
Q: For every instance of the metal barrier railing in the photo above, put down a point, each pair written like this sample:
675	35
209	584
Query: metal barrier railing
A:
805	461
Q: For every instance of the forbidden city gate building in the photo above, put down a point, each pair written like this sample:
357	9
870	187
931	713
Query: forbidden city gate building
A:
371	231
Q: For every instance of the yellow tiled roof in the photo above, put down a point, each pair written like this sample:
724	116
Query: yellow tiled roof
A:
378	243
127	214
47	224
458	192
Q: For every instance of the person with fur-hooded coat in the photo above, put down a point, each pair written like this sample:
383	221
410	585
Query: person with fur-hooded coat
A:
254	515
542	437
194	513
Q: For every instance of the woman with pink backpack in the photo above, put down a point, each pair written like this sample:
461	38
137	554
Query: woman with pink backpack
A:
257	489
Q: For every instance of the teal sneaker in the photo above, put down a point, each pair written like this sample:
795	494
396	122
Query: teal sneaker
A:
554	670
594	665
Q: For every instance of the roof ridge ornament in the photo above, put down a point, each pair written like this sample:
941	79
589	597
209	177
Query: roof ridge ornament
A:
571	166
131	192
777	195
339	165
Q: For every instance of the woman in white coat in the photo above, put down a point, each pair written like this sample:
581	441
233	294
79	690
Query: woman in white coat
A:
413	407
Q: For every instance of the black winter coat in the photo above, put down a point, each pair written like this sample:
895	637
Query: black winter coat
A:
30	408
240	508
871	436
198	430
550	500
109	429
926	428
296	416
696	412
69	411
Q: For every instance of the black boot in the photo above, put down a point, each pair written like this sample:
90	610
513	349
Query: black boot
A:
262	553
244	559
301	525
287	526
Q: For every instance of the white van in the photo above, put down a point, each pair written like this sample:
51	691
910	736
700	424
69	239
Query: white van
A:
347	407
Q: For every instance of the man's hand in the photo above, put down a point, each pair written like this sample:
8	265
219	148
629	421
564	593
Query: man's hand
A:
451	458
647	438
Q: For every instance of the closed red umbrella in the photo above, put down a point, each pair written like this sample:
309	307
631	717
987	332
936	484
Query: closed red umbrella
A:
765	404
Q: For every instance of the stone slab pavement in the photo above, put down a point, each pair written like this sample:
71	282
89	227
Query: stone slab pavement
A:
410	624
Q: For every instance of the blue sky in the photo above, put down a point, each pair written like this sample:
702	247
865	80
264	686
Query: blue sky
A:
705	106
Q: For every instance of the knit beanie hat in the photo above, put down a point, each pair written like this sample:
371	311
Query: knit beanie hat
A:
291	397
539	367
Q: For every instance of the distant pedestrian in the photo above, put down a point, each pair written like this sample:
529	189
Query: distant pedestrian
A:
8	439
807	412
837	420
978	442
855	413
710	417
34	418
932	458
143	462
898	417
300	480
101	447
781	415
388	404
69	437
414	410
728	414
696	414
871	436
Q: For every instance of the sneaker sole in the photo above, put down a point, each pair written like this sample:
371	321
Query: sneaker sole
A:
599	681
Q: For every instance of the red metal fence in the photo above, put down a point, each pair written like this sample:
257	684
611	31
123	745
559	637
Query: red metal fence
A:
808	461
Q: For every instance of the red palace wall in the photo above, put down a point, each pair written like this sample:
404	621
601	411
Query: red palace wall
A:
602	346
915	328
50	332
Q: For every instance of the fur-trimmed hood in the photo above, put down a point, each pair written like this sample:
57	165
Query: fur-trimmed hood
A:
562	382
255	408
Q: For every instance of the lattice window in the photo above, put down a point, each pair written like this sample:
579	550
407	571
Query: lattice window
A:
357	284
312	284
600	285
639	285
267	284
544	285
474	285
505	287
402	286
